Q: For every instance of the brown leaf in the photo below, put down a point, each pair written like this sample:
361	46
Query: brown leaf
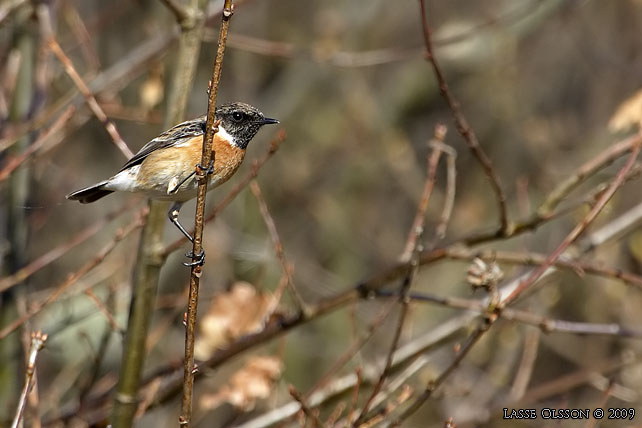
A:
240	311
628	114
253	382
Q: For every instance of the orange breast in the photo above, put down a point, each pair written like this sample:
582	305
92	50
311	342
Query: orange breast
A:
178	162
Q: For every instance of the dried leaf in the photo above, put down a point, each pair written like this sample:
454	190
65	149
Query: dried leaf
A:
628	114
151	92
253	382
238	312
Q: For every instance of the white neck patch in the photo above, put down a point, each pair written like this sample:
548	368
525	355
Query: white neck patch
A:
226	135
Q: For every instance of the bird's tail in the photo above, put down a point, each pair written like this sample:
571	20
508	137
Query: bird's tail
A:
90	194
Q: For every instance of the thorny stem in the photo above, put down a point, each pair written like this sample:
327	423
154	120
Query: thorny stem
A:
206	158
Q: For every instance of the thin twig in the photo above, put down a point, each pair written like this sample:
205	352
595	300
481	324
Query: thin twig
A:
88	266
256	166
410	256
437	336
105	311
38	340
13	163
526	365
433	385
180	12
463	126
593	422
588	169
544	213
537	259
43	16
577	230
202	178
354	348
369	58
547	325
451	183
149	258
81	34
54	254
314	417
277	243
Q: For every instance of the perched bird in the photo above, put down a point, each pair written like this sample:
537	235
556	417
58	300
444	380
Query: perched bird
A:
165	168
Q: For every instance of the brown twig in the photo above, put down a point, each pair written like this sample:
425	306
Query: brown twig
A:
256	165
545	212
38	340
451	183
104	310
593	422
100	354
433	385
354	348
526	365
202	178
43	16
131	65
13	163
88	266
462	124
312	415
577	230
536	259
277	243
81	35
588	169
369	58
410	257
180	12
547	325
57	252
444	332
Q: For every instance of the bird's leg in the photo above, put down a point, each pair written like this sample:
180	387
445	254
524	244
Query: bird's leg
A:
173	212
173	217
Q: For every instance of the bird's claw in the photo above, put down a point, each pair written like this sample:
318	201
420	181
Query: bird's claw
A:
197	260
210	168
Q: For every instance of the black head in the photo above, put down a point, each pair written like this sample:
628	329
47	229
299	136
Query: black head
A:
241	121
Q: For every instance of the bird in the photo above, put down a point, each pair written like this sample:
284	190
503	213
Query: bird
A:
165	167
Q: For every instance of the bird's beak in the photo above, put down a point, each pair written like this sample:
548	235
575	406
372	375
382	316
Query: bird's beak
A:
268	121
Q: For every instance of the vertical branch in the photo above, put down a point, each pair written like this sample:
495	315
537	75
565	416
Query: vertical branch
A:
150	258
464	127
38	340
207	157
16	198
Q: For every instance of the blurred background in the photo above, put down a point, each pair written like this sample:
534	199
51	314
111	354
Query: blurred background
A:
538	80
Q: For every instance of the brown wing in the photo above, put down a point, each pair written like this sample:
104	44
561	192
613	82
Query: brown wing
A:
169	138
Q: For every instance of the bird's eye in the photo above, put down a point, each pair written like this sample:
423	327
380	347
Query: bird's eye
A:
237	116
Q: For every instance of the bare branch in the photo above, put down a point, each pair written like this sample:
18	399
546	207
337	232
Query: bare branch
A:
463	127
38	340
43	16
207	157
